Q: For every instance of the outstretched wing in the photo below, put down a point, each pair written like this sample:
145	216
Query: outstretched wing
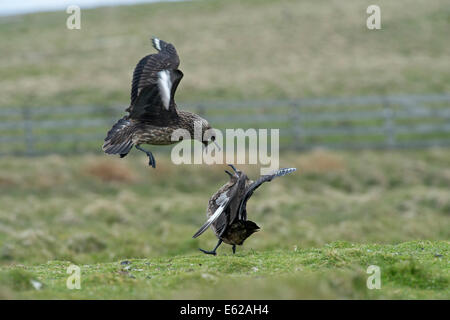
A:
155	80
222	203
255	185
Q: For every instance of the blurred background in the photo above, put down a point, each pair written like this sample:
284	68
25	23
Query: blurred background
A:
363	114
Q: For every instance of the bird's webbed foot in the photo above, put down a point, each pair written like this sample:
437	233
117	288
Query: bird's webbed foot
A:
213	251
151	158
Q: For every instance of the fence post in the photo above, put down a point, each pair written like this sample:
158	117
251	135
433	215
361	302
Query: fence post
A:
296	125
28	130
389	125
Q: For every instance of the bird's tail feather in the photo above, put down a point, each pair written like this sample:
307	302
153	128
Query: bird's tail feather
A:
119	138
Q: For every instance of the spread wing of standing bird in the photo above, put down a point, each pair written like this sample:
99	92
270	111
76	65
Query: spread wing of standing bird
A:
227	213
153	115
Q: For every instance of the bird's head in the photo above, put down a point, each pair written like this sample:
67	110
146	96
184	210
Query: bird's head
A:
236	174
243	229
251	227
208	134
199	128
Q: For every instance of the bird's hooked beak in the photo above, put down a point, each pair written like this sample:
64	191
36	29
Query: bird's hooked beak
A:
237	173
255	229
228	173
212	140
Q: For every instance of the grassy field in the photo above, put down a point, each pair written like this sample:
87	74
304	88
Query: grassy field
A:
412	270
321	228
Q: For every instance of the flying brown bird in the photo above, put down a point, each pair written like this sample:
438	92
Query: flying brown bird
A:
227	213
153	115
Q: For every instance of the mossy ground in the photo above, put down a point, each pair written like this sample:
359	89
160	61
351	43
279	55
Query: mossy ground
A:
411	270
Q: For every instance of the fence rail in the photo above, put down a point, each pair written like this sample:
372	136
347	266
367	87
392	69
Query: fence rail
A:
403	121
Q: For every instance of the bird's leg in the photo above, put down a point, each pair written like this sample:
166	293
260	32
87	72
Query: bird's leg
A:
213	252
151	158
234	248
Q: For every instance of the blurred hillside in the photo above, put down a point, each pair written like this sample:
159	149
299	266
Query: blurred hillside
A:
321	227
229	50
91	208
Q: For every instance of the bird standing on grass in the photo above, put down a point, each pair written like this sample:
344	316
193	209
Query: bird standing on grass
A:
153	114
227	213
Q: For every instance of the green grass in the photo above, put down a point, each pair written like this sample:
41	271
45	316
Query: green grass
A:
411	270
229	50
321	227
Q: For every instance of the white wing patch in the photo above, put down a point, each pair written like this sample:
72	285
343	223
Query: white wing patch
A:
157	44
223	198
165	87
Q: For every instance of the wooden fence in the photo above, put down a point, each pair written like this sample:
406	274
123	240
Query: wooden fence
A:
407	121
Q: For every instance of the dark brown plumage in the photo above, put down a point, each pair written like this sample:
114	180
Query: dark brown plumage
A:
153	115
227	212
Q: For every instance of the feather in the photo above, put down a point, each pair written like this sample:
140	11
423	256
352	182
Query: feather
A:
211	219
119	138
165	87
156	44
158	72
